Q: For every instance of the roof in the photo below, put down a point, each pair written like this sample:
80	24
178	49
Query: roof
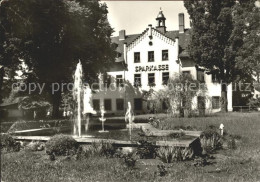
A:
160	16
117	66
184	39
120	45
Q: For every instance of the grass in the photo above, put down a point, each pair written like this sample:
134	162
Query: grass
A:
242	164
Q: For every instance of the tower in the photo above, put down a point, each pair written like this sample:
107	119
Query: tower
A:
161	22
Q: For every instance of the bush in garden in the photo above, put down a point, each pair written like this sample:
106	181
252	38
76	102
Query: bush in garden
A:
9	144
35	146
210	139
231	143
101	149
130	159
61	145
146	150
108	149
169	154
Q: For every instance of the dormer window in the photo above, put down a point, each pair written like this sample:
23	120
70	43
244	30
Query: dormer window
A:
137	57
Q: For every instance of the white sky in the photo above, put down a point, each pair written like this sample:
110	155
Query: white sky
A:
134	16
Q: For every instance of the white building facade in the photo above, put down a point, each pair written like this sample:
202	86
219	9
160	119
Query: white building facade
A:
146	61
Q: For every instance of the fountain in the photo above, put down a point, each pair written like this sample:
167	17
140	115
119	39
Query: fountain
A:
102	119
129	117
87	105
83	109
78	93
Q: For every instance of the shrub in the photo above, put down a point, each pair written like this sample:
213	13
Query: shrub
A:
35	146
231	143
101	149
210	139
130	159
169	154
146	150
9	144
154	122
61	145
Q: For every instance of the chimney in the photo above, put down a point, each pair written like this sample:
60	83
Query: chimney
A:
181	23
150	30
125	57
122	35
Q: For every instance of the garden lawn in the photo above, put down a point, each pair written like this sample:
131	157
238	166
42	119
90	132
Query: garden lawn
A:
241	164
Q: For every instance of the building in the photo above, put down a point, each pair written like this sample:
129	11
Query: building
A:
147	60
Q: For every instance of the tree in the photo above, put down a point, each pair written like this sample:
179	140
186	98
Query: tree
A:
9	53
218	40
246	34
179	94
211	30
55	35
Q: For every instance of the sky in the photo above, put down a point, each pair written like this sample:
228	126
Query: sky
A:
134	16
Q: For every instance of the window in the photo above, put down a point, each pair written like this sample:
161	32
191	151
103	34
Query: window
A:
200	76
215	102
151	79
120	104
165	78
150	56
164	55
119	80
96	104
107	104
214	77
137	80
107	80
201	102
137	57
186	72
138	104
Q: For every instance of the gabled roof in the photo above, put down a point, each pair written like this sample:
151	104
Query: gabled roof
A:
184	39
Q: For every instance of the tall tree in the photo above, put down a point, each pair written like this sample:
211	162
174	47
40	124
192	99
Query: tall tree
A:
246	36
9	53
55	34
211	30
225	39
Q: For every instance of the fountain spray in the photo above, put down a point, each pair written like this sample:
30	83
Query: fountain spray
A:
129	116
77	92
